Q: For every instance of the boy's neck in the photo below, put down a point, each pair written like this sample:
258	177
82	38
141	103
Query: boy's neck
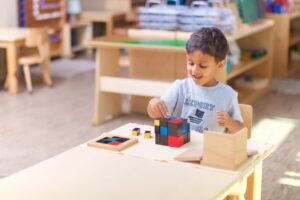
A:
211	83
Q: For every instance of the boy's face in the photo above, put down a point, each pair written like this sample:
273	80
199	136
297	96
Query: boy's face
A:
202	68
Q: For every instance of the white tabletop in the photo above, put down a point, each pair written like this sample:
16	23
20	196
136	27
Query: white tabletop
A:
92	173
11	34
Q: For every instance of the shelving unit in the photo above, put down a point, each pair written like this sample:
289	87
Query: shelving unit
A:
254	36
243	67
76	37
106	18
127	6
42	13
154	67
283	40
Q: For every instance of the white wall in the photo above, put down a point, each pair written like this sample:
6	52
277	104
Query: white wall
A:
8	13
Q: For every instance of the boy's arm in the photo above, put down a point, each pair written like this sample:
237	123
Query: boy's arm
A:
228	122
157	108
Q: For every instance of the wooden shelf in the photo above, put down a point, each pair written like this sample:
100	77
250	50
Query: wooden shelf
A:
244	31
133	86
294	14
55	52
83	34
243	67
294	66
283	40
79	48
294	39
249	96
32	15
146	77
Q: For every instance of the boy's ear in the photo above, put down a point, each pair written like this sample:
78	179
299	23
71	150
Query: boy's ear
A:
222	63
187	56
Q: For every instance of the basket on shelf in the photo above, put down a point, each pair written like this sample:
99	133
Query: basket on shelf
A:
159	15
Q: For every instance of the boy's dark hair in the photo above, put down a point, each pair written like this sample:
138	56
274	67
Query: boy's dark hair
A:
209	40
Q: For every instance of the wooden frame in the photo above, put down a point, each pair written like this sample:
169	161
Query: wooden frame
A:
119	147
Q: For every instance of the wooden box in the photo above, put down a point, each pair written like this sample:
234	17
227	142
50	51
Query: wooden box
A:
226	151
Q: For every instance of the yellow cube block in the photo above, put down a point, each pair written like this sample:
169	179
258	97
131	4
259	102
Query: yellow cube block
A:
156	123
135	131
147	134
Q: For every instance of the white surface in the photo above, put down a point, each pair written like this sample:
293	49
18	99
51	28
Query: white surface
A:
11	34
147	149
92	173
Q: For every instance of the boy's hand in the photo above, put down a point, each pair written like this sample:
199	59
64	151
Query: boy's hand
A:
225	120
157	108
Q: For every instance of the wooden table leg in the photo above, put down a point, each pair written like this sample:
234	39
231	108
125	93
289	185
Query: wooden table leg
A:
11	81
254	184
107	105
46	72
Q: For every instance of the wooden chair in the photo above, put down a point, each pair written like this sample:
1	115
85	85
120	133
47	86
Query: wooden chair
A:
37	43
240	189
247	115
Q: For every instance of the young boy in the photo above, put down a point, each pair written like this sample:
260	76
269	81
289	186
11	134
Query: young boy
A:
207	103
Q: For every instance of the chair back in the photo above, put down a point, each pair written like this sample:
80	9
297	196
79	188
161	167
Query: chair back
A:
38	38
247	115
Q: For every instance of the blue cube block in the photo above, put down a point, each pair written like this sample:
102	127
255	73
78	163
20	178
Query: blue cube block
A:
163	130
171	117
184	128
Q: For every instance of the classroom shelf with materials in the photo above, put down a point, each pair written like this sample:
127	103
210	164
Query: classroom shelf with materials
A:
156	64
45	14
286	35
104	21
127	6
76	37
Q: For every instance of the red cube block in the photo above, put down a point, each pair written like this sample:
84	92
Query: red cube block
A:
175	121
175	141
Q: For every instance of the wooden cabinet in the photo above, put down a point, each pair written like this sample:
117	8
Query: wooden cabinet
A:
76	37
44	13
121	6
127	6
283	40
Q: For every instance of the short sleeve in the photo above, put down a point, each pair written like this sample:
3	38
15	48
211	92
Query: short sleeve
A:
171	96
234	110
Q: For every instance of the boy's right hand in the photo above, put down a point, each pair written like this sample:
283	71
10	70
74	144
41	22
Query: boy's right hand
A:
157	108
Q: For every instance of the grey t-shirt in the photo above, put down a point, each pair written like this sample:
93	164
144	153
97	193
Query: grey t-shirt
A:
200	104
